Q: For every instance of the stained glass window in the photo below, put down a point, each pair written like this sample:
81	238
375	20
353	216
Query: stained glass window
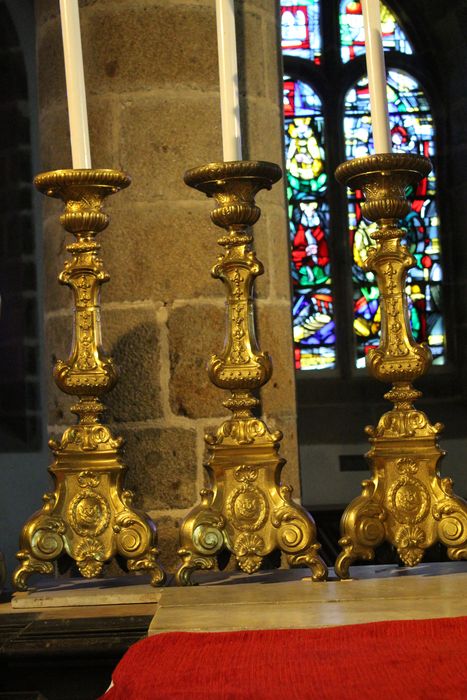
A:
314	331
352	34
301	34
412	132
318	343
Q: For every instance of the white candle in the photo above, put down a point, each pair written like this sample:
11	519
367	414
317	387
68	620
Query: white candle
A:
76	92
228	80
376	76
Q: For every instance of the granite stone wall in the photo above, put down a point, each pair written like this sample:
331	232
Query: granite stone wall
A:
153	104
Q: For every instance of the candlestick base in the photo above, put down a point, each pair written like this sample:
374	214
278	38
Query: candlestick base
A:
405	502
88	516
247	511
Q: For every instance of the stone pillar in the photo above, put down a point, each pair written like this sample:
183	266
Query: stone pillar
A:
153	102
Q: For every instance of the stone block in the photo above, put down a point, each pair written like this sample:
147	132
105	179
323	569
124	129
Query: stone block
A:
279	252
195	333
250	52
103	114
51	67
55	135
188	135
131	338
161	467
152	84
175	47
58	332
49	9
287	424
274	324
263	134
161	251
56	295
50	209
260	5
168	534
45	10
273	59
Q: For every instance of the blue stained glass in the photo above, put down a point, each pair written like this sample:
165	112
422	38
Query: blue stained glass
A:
301	35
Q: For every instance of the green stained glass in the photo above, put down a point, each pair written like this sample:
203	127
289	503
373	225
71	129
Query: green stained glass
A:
353	37
412	131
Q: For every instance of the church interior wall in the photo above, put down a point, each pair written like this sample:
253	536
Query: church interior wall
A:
153	101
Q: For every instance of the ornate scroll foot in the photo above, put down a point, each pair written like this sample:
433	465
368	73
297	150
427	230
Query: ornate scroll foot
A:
42	542
191	563
457	553
362	527
149	564
135	539
201	539
350	552
311	559
30	565
451	515
296	536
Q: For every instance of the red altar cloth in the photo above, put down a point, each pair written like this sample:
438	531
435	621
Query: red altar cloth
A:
416	659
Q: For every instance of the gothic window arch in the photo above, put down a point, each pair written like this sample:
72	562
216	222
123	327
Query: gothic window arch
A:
327	120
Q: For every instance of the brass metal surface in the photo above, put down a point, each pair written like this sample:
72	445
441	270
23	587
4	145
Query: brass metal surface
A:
89	515
247	510
405	502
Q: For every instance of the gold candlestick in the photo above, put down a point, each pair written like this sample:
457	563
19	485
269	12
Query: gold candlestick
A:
405	502
247	510
88	516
